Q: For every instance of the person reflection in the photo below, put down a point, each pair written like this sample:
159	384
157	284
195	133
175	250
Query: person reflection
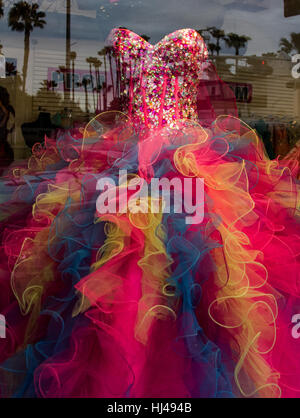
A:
6	110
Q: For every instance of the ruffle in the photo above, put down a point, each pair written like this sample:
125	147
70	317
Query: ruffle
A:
144	304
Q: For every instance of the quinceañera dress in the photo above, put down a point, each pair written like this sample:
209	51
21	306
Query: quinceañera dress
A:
112	289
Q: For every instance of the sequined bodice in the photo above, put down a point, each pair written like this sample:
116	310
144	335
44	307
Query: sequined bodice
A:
163	78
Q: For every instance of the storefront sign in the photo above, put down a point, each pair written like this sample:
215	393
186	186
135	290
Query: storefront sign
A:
242	91
11	67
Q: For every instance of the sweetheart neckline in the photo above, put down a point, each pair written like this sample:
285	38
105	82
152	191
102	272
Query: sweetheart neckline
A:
153	46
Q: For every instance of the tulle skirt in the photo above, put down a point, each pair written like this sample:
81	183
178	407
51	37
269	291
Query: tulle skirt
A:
118	292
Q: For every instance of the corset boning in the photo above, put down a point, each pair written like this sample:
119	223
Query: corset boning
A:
161	79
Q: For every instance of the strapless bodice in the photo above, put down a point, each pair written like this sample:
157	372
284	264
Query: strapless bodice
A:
162	78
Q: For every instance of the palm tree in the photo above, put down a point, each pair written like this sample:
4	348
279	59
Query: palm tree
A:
97	64
24	17
85	83
291	45
204	33
286	45
68	52
102	53
233	40
218	34
146	37
1	15
295	38
110	53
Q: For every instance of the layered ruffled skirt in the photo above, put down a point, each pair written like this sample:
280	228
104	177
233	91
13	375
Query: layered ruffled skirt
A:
135	302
